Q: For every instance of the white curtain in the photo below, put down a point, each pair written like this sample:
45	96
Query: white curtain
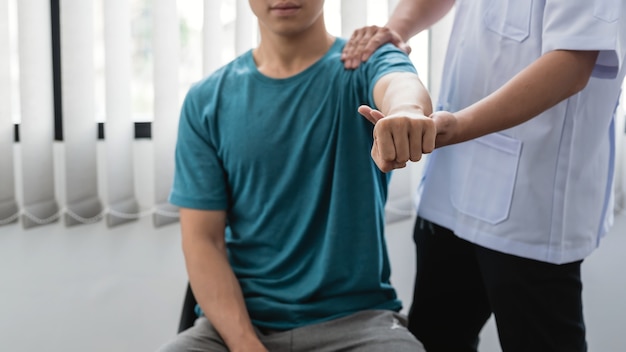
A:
8	205
39	203
245	27
119	128
353	16
82	202
166	105
212	36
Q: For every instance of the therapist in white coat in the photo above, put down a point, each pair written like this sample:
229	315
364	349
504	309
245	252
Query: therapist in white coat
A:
518	192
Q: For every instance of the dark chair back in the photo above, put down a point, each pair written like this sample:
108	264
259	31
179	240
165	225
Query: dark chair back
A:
188	315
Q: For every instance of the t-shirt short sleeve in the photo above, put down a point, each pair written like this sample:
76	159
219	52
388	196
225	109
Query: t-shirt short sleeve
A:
588	25
199	181
385	60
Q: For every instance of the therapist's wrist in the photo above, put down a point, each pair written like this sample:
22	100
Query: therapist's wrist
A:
469	125
448	128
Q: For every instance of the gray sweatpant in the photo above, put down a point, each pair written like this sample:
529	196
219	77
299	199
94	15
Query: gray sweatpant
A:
366	331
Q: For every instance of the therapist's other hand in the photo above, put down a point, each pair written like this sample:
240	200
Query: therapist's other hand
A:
399	137
447	127
365	41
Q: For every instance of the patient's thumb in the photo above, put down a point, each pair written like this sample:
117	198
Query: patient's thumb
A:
372	115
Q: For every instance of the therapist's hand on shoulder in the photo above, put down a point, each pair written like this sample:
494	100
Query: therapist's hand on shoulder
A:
399	137
364	41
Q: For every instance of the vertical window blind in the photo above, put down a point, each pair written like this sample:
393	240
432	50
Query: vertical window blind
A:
82	202
166	106
39	204
119	178
8	205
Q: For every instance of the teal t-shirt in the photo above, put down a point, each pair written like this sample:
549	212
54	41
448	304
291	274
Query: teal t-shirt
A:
289	161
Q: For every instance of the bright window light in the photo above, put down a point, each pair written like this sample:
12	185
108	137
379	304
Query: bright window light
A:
14	63
190	14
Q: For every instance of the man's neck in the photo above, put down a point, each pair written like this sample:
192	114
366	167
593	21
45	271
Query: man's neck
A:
281	56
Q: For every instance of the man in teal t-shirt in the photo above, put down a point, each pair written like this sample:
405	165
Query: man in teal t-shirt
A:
281	196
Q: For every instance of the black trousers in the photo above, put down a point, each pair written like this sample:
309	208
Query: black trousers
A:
458	285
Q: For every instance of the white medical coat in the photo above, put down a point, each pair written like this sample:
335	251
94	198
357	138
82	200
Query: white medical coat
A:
540	190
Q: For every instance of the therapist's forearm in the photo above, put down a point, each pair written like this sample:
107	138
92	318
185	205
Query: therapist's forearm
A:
413	16
554	77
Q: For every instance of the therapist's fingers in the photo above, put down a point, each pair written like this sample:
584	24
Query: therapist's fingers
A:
351	51
364	42
446	125
380	36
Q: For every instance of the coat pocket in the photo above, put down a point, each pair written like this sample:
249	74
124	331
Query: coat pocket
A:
486	191
607	10
510	19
